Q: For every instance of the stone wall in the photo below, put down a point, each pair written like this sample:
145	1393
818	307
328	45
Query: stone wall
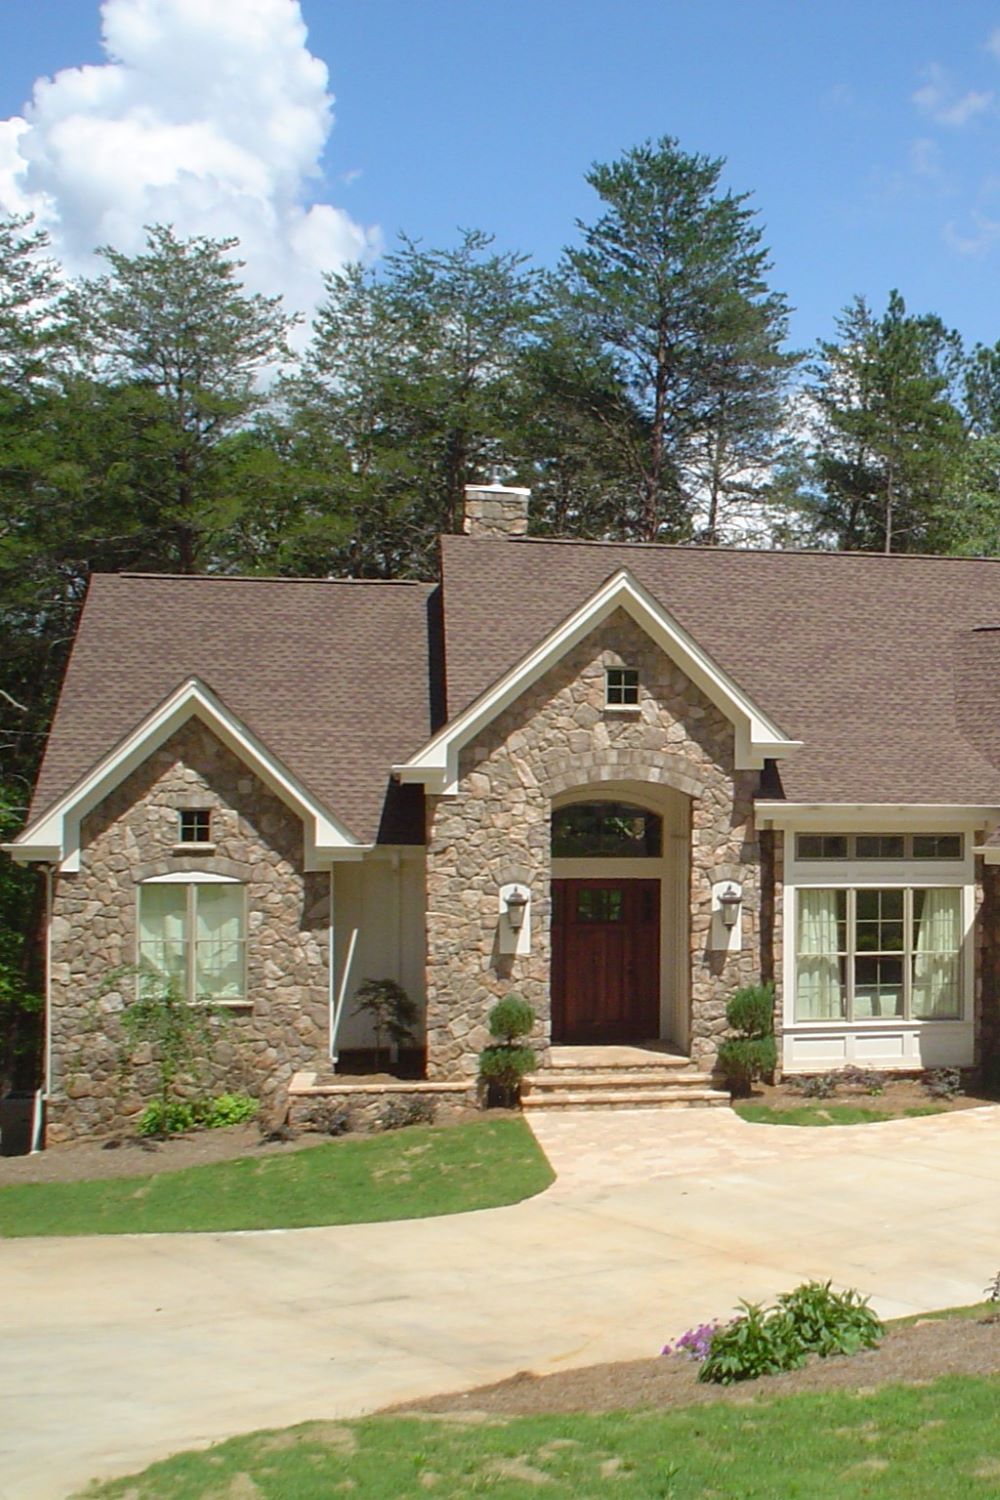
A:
132	835
556	737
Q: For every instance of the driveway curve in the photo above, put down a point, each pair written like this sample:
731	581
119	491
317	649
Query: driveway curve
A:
118	1351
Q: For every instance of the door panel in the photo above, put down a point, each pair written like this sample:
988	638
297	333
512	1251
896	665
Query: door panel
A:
605	960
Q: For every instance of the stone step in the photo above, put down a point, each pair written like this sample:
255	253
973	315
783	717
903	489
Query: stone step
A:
616	1078
666	1098
613	1059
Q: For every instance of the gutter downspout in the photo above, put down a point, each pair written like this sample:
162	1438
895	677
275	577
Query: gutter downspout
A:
332	975
42	1095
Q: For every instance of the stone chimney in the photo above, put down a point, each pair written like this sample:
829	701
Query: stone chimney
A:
496	510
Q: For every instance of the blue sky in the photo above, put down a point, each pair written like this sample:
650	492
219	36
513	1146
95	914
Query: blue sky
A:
868	133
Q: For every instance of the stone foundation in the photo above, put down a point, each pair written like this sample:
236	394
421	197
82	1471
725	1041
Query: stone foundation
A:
366	1106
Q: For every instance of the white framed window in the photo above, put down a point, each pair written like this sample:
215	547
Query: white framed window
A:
194	825
879	846
871	953
195	931
621	687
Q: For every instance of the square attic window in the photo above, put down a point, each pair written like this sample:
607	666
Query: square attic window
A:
195	825
621	687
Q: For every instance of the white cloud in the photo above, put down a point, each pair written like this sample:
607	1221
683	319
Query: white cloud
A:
211	115
939	99
982	235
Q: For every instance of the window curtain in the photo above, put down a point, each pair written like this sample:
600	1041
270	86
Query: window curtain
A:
938	940
219	942
819	994
162	931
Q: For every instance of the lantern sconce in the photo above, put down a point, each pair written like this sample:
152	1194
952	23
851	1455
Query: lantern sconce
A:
727	907
515	918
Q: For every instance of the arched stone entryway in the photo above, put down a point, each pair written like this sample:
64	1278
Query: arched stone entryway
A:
620	874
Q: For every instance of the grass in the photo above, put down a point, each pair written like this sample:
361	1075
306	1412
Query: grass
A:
414	1173
934	1442
829	1114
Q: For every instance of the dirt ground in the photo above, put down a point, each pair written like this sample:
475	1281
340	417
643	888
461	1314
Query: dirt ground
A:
909	1355
899	1094
132	1157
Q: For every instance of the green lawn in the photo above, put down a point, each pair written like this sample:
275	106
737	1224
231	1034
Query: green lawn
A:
414	1173
936	1442
828	1114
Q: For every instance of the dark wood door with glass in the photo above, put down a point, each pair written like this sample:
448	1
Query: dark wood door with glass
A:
605	960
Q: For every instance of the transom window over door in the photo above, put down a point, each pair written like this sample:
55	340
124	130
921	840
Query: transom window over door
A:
606	830
196	934
864	954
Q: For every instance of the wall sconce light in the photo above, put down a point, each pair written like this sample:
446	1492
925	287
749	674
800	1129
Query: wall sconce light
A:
729	905
517	903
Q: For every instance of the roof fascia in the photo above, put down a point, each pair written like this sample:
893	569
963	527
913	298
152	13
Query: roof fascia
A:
879	817
55	836
758	738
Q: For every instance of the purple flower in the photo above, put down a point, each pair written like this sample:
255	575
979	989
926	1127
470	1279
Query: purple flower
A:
695	1343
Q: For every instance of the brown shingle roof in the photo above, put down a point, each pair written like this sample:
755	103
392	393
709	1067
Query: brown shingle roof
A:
331	676
874	662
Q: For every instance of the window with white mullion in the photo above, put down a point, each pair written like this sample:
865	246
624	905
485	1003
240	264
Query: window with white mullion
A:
870	953
195	934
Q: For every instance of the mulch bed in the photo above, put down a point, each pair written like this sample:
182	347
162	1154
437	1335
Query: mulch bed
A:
909	1355
899	1095
80	1161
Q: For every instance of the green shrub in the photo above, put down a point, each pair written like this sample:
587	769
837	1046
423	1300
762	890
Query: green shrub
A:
510	1018
742	1060
502	1068
812	1319
751	1053
172	1117
750	1010
228	1109
826	1322
179	1115
396	1114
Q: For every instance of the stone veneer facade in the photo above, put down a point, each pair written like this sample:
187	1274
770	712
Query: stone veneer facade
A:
132	835
556	737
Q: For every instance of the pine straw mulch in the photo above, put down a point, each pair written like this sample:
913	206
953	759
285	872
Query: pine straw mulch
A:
910	1354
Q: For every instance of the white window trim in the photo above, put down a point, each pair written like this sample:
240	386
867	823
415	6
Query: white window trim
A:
193	878
855	874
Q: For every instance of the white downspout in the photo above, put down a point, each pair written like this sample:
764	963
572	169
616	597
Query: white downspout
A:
331	978
41	1098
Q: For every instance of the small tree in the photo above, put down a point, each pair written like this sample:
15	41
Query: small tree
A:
751	1053
503	1065
393	1013
177	1033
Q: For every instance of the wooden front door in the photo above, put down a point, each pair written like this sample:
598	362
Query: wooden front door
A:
605	960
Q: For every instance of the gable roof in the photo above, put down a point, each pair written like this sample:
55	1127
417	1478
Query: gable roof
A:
330	677
757	736
876	664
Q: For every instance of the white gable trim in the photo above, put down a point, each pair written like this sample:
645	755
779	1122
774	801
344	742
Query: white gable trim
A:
55	837
757	737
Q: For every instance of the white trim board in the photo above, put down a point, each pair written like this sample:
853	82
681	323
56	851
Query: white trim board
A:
55	836
875	817
758	738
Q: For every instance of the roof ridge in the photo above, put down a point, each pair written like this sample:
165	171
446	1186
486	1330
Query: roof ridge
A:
267	578
824	552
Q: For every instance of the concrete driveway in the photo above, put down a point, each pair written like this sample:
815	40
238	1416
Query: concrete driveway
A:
114	1352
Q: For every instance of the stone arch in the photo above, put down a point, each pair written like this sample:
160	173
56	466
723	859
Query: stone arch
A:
565	773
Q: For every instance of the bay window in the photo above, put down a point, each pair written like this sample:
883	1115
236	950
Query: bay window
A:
865	954
195	932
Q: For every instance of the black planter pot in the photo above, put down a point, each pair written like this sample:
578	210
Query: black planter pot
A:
17	1116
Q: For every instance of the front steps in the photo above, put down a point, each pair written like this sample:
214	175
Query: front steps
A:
647	1076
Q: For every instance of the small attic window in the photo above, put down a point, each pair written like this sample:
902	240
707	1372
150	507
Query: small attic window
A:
621	687
195	825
